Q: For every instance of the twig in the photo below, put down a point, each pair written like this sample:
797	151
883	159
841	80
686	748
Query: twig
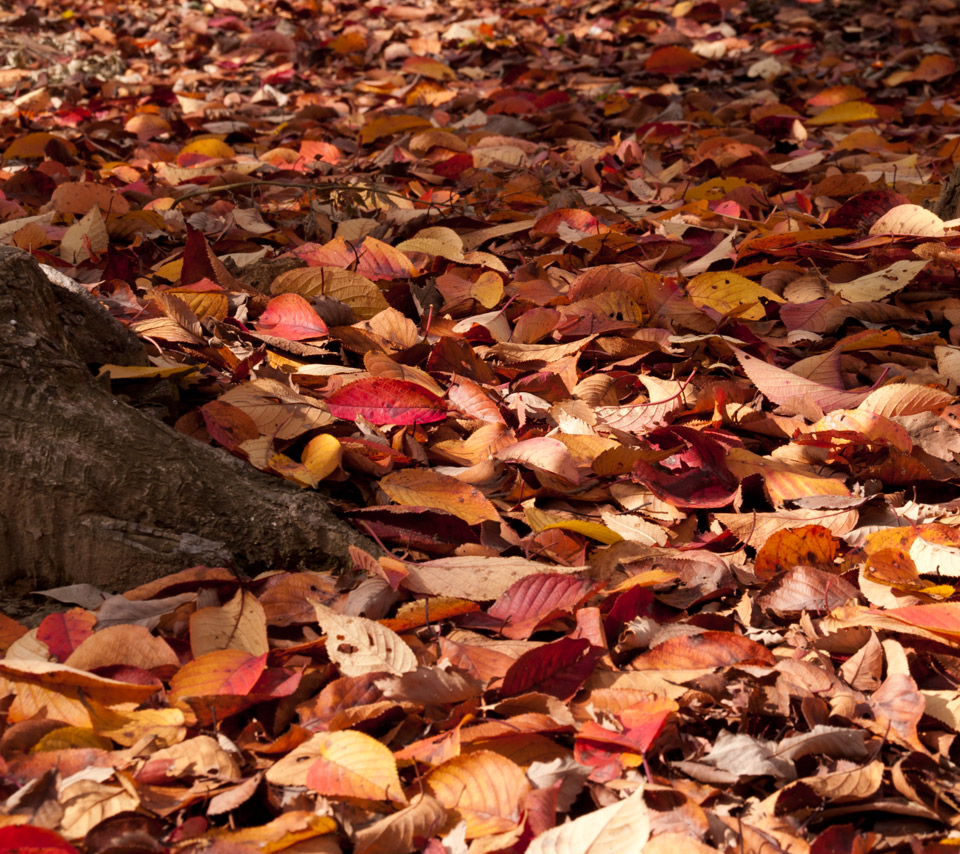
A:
223	188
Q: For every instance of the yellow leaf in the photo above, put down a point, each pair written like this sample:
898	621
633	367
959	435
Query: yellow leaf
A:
171	271
594	530
68	737
322	456
33	145
425	488
203	304
351	764
389	125
540	520
730	293
845	113
209	146
714	189
136	372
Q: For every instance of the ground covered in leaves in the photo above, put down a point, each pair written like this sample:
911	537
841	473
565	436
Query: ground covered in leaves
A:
627	330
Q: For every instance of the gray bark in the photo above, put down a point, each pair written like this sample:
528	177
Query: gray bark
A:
93	490
948	204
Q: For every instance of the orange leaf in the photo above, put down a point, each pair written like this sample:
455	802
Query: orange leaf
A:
483	788
707	650
77	197
354	765
225	671
425	488
673	59
811	545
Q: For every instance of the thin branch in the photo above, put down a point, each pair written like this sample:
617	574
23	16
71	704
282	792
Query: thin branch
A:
330	186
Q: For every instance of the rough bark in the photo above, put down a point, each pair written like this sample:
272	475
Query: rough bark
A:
93	490
948	204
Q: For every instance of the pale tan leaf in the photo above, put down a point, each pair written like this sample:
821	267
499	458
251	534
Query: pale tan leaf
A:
755	529
239	624
935	558
909	219
228	800
948	362
166	329
543	454
519	353
863	669
621	828
430	686
178	310
905	399
86	236
201	756
396	834
86	803
474	578
880	283
854	785
358	645
130	645
278	411
438	240
944	706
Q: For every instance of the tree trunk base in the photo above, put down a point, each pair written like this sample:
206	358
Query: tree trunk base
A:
93	490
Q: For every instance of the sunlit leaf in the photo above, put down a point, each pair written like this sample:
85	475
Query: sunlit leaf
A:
387	401
483	788
358	645
353	765
290	316
845	113
620	828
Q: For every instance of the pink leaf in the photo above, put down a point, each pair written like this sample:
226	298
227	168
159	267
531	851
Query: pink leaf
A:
290	316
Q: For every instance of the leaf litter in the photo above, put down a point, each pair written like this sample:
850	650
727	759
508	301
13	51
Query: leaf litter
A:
626	330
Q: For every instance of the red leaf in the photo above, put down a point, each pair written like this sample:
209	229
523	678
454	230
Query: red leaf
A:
539	598
695	477
23	839
864	209
557	668
386	401
199	262
228	425
600	748
64	632
290	316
